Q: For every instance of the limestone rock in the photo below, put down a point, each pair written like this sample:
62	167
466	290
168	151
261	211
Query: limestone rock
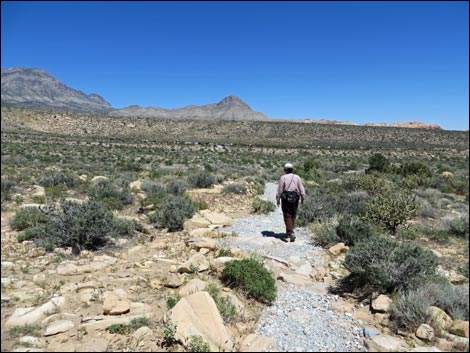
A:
195	263
99	179
202	242
218	264
196	222
459	328
382	303
172	280
193	286
439	319
217	218
294	278
23	316
114	305
425	332
338	249
93	345
197	314
385	343
135	185
32	341
202	232
58	327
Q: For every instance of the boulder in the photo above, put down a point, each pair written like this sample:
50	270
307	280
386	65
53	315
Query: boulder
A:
23	316
202	232
114	305
99	179
195	263
337	249
196	222
459	328
197	315
58	327
202	242
193	286
218	264
425	332
217	218
172	280
135	185
385	343
439	319
382	304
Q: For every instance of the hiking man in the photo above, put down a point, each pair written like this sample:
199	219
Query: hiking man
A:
290	190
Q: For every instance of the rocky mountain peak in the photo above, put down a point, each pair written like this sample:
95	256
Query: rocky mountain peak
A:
232	101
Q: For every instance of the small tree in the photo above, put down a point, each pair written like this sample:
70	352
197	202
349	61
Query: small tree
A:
391	208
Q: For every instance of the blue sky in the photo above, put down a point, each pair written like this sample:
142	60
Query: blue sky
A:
347	61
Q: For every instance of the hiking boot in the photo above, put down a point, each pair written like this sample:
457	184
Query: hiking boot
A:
292	238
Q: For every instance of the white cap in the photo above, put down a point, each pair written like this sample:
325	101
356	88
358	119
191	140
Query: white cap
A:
288	166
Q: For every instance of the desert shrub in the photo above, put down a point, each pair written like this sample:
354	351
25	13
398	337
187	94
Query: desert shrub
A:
351	230
377	162
201	180
391	208
260	206
252	277
123	226
27	217
7	185
325	233
174	211
112	196
384	264
56	192
125	329
80	226
153	189
197	344
411	307
172	300
176	187
56	178
458	226
237	188
416	168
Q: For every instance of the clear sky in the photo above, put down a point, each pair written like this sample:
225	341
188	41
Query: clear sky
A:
347	61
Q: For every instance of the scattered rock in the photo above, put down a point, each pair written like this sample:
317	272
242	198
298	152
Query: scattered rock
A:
459	328
382	304
193	286
23	316
385	343
337	249
425	332
196	263
58	327
439	319
255	343
114	305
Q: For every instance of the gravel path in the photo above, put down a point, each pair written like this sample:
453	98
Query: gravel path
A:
299	319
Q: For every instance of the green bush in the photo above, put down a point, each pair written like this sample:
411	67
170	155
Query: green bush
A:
416	168
325	233
123	227
238	189
201	180
351	229
113	196
459	226
384	264
27	217
252	277
260	206
174	211
197	344
80	226
377	162
391	208
56	192
7	185
176	187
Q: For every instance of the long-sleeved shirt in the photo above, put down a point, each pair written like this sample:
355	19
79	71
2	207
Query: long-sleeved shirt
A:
285	184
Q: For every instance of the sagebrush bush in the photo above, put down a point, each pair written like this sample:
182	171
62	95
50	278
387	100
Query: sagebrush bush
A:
79	226
7	185
237	188
384	264
176	187
56	178
260	206
112	196
411	307
325	233
27	217
252	277
459	226
123	227
351	229
174	211
201	180
153	189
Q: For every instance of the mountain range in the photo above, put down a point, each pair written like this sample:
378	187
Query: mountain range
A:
37	89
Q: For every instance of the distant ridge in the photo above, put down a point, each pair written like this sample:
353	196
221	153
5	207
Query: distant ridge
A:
37	89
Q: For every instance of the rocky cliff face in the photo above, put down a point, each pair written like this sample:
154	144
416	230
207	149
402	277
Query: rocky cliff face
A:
35	88
229	108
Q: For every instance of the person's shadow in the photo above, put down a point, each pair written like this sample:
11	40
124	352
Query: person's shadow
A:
280	236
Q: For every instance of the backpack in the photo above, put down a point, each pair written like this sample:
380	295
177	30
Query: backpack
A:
291	197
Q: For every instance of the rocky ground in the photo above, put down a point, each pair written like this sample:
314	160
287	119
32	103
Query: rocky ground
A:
68	302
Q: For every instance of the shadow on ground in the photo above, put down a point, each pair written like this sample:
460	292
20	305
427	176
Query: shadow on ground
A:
280	236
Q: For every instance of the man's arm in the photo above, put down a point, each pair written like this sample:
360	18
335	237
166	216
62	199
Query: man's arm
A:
279	191
302	191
